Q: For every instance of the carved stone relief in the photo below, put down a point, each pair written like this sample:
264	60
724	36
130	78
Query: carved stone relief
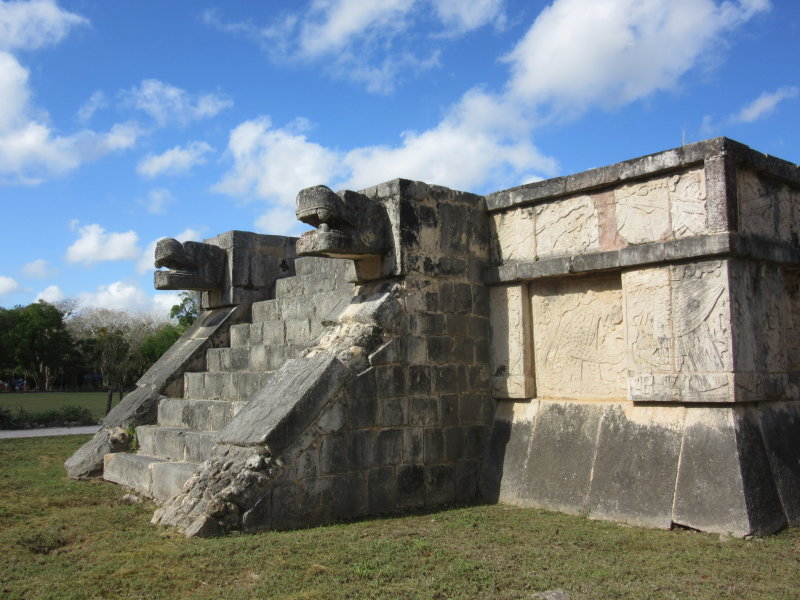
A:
643	213
756	204
568	226
687	198
667	207
578	337
514	235
679	333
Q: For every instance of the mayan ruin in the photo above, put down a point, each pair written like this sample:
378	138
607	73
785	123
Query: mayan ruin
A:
620	343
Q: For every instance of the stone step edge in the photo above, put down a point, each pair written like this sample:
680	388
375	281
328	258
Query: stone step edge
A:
150	476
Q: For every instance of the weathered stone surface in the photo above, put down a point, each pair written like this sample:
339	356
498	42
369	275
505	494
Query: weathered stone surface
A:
138	407
678	323
633	475
131	470
736	496
286	406
188	353
253	263
560	456
191	265
88	460
578	338
511	360
569	226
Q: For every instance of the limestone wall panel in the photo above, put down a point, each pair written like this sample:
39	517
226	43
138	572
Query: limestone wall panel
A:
678	333
757	205
511	366
687	198
567	226
578	337
514	235
669	207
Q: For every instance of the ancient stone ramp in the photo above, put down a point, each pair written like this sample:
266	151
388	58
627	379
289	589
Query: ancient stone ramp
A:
187	428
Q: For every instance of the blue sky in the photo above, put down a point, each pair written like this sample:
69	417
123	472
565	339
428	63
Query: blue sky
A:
123	122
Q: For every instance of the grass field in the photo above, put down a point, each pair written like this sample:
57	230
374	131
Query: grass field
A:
43	401
69	539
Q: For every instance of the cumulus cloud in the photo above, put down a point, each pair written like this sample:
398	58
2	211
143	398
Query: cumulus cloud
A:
146	260
576	55
7	285
764	105
37	269
607	53
95	244
35	24
175	161
372	42
30	149
128	297
51	294
166	103
482	140
274	163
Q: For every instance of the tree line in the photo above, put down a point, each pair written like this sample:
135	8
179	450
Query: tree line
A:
60	346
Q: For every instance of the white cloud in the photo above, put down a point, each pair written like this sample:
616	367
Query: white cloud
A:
146	261
176	161
37	269
481	141
373	42
7	285
166	103
582	53
578	54
95	102
157	200
764	105
330	25
95	245
29	149
274	164
280	221
51	294
130	298
460	16
32	25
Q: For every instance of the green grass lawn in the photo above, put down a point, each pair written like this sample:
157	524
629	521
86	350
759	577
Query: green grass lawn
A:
43	401
69	539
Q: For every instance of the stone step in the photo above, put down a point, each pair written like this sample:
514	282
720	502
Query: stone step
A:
311	265
175	443
232	386
323	281
323	306
200	415
148	475
275	333
254	358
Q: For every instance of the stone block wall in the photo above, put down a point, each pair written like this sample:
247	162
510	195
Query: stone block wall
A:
410	429
632	307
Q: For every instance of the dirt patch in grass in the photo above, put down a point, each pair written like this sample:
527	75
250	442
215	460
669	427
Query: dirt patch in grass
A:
68	539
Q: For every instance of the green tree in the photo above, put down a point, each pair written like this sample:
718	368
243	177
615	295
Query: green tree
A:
187	310
158	342
37	343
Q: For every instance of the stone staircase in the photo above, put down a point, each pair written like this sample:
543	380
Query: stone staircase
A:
279	329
